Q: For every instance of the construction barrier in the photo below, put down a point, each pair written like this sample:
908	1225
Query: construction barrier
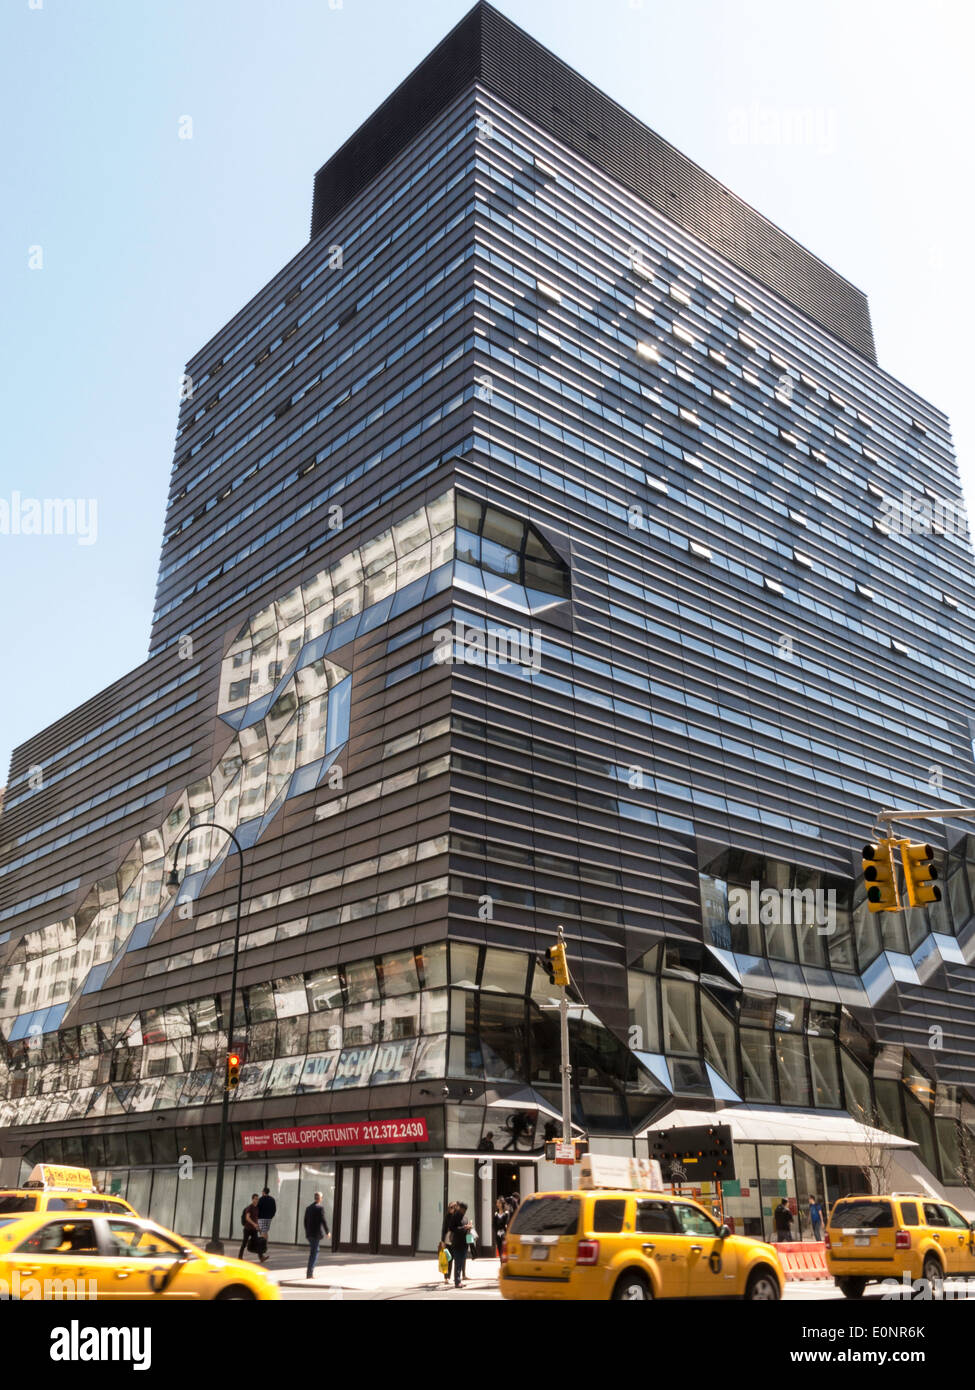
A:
803	1259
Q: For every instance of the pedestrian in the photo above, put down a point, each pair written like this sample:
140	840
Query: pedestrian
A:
782	1216
512	1204
457	1228
316	1230
817	1216
266	1211
251	1231
444	1247
499	1221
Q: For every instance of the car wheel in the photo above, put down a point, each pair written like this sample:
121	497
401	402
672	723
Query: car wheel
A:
931	1270
762	1287
236	1292
632	1287
851	1287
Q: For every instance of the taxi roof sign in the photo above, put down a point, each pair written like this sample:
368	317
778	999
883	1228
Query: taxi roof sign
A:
57	1175
618	1171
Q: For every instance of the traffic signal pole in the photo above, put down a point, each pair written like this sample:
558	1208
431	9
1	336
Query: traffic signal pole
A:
567	1172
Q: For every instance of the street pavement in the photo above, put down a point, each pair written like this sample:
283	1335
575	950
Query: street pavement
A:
388	1278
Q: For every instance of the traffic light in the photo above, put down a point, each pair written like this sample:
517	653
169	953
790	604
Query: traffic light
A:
233	1071
878	875
556	965
919	874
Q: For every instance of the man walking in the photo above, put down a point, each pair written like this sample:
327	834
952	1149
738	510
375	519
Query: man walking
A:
316	1230
266	1211
248	1221
782	1216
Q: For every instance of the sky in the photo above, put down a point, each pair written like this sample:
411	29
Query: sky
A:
157	170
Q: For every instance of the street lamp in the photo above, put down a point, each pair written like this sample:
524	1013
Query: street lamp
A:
215	1244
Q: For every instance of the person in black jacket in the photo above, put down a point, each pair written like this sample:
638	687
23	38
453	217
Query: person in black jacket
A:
457	1228
316	1230
444	1243
248	1222
266	1211
499	1220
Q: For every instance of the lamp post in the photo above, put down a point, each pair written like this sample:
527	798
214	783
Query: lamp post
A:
215	1244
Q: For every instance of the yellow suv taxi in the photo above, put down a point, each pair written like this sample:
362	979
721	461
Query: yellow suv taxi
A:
53	1187
890	1236
625	1244
52	1255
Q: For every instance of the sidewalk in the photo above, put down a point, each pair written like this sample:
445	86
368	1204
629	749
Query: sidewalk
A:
370	1273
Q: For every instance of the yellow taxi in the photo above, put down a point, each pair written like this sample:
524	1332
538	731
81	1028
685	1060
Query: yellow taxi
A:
105	1256
603	1243
54	1187
889	1236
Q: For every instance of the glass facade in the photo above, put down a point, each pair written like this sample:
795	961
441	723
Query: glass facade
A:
524	567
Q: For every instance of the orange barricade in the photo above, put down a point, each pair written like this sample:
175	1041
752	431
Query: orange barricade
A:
803	1259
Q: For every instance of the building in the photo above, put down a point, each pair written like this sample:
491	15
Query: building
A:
545	547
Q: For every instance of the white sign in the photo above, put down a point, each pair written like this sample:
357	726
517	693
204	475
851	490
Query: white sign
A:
612	1170
565	1153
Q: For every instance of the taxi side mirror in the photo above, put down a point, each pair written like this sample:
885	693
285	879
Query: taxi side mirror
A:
724	1231
971	1225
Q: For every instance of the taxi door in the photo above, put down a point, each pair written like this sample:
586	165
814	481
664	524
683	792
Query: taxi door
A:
662	1241
65	1257
956	1241
712	1263
146	1264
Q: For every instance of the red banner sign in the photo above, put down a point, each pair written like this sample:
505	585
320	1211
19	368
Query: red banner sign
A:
341	1136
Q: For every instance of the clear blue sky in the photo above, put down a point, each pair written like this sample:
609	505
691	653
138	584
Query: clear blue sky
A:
150	243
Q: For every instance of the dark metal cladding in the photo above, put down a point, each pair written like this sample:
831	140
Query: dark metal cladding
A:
487	48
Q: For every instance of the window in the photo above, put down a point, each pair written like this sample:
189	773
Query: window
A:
654	1218
862	1214
953	1218
608	1215
134	1241
934	1214
61	1238
909	1215
693	1222
547	1216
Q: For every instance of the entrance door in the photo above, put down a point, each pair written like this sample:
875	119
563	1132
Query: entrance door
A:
395	1216
375	1208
